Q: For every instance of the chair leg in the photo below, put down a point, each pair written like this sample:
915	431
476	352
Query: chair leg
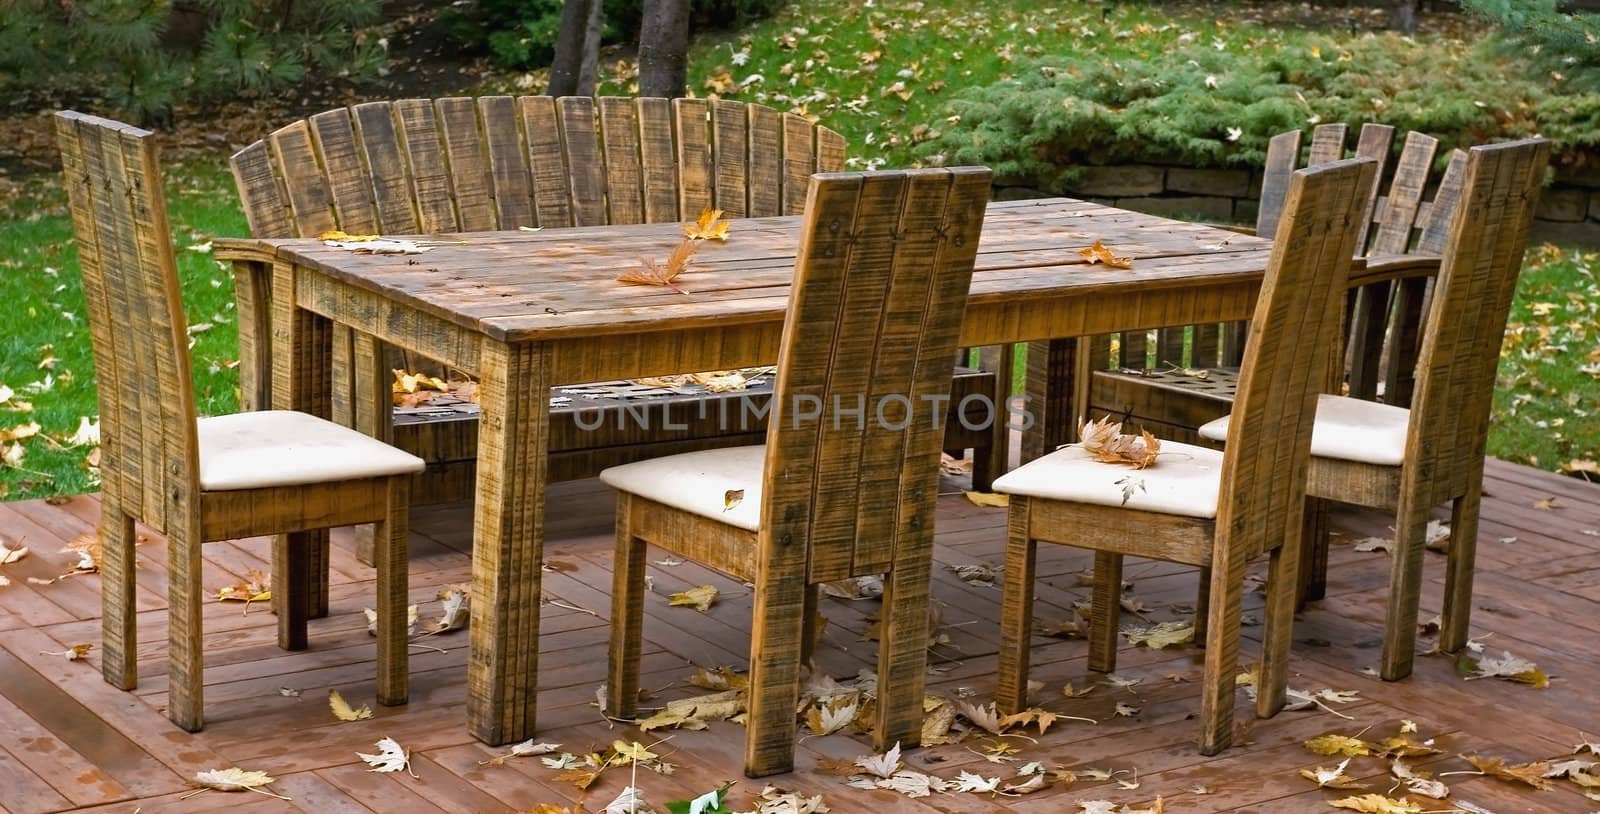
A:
1222	652
295	571
627	618
1278	627
119	642
1313	576
185	660
1107	604
393	557
1202	605
1456	622
808	634
903	657
775	673
1405	589
1016	611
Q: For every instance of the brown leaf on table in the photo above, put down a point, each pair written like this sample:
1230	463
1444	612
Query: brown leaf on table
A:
649	272
1531	774
708	226
1106	443
346	237
1098	253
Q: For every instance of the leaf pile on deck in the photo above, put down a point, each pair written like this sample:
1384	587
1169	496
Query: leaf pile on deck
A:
1105	441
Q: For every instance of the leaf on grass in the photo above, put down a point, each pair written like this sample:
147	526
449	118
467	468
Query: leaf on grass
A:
708	226
1333	778
1162	635
1531	773
234	779
343	711
881	766
1377	804
1332	744
391	757
988	500
650	272
700	597
20	432
1105	442
1098	253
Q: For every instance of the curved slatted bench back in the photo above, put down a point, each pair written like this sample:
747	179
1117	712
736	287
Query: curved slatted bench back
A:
136	321
1467	314
880	288
501	162
1286	357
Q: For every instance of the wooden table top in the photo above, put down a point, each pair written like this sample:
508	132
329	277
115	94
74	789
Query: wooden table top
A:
561	283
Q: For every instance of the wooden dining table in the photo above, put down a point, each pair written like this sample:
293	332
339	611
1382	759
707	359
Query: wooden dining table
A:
526	310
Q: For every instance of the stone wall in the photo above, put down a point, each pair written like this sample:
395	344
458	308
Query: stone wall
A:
1569	209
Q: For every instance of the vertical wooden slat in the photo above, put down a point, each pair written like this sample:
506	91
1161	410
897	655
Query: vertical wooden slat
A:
799	162
1374	143
419	138
261	194
694	156
730	133
1327	144
386	164
309	196
1207	342
624	172
1405	195
1435	223
830	151
766	162
469	166
582	146
552	184
658	156
508	163
348	181
1283	155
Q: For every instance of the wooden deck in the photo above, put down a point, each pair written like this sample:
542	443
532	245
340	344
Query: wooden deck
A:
72	741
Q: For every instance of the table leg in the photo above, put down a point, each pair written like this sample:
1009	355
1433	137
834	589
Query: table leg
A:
252	291
1053	397
301	364
508	541
368	403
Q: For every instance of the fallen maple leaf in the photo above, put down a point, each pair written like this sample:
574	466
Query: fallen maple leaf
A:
700	597
342	710
1098	253
76	652
988	500
1333	778
1419	782
1106	443
1332	744
235	779
881	766
630	801
257	587
391	757
455	601
1377	804
1034	783
1162	635
10	555
649	272
1531	773
708	226
20	432
1505	666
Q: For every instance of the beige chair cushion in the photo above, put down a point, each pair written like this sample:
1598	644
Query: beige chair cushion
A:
1184	481
284	448
1348	429
698	482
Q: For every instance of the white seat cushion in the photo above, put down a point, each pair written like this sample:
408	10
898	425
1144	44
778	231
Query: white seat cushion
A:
1185	480
1348	429
699	482
285	448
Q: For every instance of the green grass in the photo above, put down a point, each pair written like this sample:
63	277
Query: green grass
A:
42	310
812	57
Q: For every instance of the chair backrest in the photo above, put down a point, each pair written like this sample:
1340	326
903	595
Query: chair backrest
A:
136	322
1286	354
501	162
1468	311
879	291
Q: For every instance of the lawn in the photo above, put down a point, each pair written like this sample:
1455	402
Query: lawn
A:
882	76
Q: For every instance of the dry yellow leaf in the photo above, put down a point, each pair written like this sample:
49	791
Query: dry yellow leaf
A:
649	272
1530	773
1098	253
234	779
708	226
1333	778
20	432
700	597
989	500
1331	744
1162	635
10	555
1377	804
343	711
346	237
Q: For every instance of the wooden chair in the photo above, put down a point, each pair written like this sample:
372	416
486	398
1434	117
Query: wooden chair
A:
219	478
1409	461
1182	390
880	286
1195	505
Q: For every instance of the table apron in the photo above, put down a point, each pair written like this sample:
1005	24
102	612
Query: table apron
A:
395	323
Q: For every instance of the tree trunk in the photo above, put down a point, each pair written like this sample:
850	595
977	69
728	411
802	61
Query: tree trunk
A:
570	42
589	71
664	48
1404	16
